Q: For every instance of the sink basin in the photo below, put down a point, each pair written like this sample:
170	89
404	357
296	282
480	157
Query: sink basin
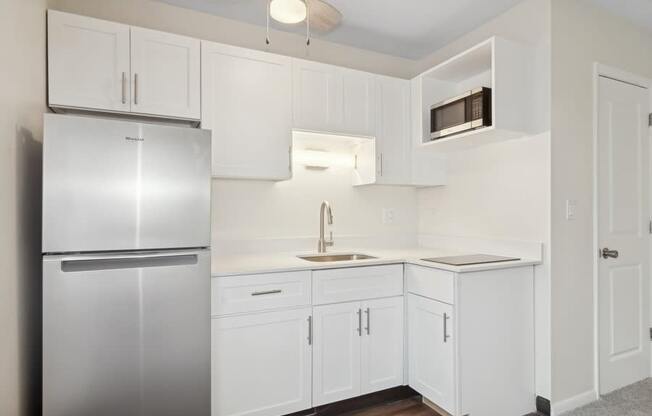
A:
336	257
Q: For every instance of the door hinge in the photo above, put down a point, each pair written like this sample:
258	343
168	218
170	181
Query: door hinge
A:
650	227
649	120
650	334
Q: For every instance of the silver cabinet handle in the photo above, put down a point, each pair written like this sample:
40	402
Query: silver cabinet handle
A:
310	330
368	328
446	336
136	88
124	92
360	322
606	253
267	292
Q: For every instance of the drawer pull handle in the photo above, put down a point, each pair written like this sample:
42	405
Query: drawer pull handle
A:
267	292
446	336
368	328
359	322
310	330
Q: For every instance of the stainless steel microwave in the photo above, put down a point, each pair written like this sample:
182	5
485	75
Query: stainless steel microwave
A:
468	111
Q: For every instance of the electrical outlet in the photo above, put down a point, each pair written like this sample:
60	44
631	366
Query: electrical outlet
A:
388	215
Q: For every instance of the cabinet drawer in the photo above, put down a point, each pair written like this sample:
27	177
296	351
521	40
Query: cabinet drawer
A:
431	283
247	293
357	283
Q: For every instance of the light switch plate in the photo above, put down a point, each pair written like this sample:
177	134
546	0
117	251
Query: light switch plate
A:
571	209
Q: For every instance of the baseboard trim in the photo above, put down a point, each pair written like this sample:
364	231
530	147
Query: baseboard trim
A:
543	405
434	407
574	402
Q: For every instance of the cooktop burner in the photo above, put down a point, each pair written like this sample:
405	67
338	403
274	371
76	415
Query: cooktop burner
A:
470	259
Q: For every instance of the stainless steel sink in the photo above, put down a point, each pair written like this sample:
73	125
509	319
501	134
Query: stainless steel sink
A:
336	257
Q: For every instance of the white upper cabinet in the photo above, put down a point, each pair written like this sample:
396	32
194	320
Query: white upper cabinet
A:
358	102
332	99
247	103
88	63
317	96
393	131
507	68
104	66
165	74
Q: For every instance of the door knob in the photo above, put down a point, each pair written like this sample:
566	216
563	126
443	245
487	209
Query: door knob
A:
606	253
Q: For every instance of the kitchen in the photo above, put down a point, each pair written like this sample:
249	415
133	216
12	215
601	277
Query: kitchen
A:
359	249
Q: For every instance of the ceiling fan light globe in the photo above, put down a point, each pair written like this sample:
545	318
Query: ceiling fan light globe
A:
288	11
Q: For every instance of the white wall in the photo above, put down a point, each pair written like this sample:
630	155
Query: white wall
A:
258	210
22	103
165	17
581	35
502	191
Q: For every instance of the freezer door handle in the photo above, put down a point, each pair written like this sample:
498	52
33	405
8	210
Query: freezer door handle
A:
82	264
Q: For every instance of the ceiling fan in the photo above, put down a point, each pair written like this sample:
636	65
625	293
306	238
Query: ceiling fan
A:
318	15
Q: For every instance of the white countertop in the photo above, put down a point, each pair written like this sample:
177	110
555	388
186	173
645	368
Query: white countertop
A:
283	262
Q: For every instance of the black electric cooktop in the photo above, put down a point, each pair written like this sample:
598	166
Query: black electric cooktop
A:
469	259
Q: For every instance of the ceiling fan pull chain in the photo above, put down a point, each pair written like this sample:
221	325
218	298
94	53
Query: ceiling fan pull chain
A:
307	22
269	2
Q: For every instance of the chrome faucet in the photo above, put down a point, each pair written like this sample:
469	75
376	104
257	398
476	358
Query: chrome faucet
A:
325	207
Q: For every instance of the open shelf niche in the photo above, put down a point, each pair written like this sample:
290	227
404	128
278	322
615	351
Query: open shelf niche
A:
497	63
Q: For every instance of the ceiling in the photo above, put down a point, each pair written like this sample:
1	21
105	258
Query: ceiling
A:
638	11
404	28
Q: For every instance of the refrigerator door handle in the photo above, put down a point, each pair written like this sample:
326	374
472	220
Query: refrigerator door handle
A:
90	263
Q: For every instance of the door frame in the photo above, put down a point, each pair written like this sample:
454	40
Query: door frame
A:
601	70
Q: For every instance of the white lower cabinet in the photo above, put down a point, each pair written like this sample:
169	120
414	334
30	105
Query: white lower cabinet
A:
471	339
336	352
261	363
382	344
431	350
358	348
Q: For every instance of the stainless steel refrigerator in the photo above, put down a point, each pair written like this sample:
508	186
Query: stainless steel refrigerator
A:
126	268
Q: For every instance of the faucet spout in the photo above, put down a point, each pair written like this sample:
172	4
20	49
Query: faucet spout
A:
323	243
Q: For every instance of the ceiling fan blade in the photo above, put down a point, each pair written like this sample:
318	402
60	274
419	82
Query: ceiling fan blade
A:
323	16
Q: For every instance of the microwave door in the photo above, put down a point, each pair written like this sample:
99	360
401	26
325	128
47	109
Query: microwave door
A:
449	118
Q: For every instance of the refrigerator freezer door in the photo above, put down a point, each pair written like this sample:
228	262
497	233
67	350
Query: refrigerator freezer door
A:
116	185
127	334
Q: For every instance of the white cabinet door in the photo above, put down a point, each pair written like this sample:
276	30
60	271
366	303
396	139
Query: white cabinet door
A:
165	74
317	96
337	335
392	131
88	63
359	103
431	350
382	344
261	364
247	103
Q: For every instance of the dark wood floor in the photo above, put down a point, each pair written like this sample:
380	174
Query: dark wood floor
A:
407	407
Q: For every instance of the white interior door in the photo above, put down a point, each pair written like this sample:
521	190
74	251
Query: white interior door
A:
336	352
623	218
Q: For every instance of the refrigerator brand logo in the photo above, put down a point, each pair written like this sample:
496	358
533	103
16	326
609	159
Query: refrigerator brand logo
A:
134	139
